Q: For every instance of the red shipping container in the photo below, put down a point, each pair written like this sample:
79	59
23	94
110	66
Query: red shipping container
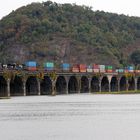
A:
31	68
82	67
126	71
75	68
109	71
83	70
95	66
137	71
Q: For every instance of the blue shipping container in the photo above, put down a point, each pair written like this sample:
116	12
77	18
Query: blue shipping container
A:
65	65
31	64
130	68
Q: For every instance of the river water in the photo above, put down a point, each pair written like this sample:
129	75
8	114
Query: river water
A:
71	117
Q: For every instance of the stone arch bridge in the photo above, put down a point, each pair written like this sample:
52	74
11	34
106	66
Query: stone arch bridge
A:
22	83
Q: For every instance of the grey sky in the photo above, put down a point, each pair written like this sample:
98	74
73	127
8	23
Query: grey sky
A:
127	7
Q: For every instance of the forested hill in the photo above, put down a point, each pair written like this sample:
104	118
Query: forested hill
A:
68	33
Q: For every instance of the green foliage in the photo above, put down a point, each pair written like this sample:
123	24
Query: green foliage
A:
135	57
79	23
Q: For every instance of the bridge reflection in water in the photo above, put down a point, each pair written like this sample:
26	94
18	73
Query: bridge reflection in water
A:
22	83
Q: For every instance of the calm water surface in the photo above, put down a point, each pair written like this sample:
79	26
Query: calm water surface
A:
71	117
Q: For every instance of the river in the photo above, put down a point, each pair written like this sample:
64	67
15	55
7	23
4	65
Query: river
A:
71	117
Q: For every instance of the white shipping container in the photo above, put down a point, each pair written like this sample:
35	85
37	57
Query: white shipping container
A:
89	70
131	70
102	66
96	70
102	70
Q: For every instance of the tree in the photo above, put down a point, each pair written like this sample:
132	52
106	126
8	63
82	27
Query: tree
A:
135	58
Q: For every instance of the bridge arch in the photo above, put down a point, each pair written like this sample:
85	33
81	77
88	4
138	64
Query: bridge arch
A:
61	85
84	84
123	83
31	86
16	86
131	83
46	86
105	84
73	85
114	84
138	83
95	84
3	87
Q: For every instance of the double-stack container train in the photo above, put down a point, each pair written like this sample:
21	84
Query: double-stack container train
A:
66	67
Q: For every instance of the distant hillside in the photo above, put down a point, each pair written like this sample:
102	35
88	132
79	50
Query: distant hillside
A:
68	33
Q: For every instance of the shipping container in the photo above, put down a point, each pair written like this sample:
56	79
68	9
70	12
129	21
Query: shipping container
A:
126	71
130	69
65	66
31	68
109	71
120	70
75	68
137	71
89	69
96	66
102	70
48	65
82	67
102	67
31	64
109	67
96	70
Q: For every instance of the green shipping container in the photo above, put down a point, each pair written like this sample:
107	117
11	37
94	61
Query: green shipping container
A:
109	67
48	65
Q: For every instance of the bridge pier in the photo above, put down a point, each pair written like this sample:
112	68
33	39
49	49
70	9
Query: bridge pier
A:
136	86
79	84
38	84
100	85
109	81
24	88
8	87
127	85
89	84
118	85
53	88
67	85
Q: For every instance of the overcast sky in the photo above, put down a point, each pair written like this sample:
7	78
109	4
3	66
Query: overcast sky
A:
127	7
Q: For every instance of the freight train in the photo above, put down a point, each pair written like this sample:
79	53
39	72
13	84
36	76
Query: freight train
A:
66	67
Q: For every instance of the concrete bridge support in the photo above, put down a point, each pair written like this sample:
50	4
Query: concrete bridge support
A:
67	84
136	88
24	87
8	87
38	84
53	87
